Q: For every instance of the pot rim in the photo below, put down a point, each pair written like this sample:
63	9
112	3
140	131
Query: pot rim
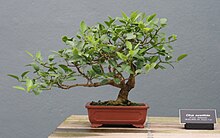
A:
144	106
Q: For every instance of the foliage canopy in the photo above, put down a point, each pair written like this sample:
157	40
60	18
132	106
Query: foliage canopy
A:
110	53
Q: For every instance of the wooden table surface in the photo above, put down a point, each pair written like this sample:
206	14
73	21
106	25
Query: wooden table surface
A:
156	127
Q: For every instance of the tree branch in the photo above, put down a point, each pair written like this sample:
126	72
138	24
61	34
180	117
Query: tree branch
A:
154	35
109	68
131	82
158	44
96	84
83	74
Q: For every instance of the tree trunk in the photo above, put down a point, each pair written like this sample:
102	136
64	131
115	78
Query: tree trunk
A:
123	93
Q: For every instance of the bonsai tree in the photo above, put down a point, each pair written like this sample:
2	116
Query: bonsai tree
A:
111	53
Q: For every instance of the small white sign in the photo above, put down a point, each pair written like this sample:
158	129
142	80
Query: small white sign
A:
204	116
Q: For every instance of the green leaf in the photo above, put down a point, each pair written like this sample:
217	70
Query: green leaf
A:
126	68
172	37
97	69
181	57
91	73
71	79
101	26
117	80
25	73
153	59
139	64
161	67
107	23
119	69
162	52
138	71
163	21
19	88
151	17
112	63
75	52
70	43
60	71
65	68
64	38
37	92
134	15
124	15
38	55
153	65
51	57
35	66
106	49
104	38
122	56
35	86
79	36
43	85
83	26
132	53
161	47
147	67
130	36
168	58
109	74
29	53
143	50
43	74
129	45
104	81
146	29
170	47
141	25
122	21
14	76
53	75
110	22
29	84
137	45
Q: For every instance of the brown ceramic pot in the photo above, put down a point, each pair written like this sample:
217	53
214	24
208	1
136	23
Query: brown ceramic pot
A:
117	115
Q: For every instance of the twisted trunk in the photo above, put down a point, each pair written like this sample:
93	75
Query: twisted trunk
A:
123	95
124	92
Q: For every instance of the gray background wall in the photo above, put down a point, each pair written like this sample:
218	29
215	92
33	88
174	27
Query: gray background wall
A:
38	25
